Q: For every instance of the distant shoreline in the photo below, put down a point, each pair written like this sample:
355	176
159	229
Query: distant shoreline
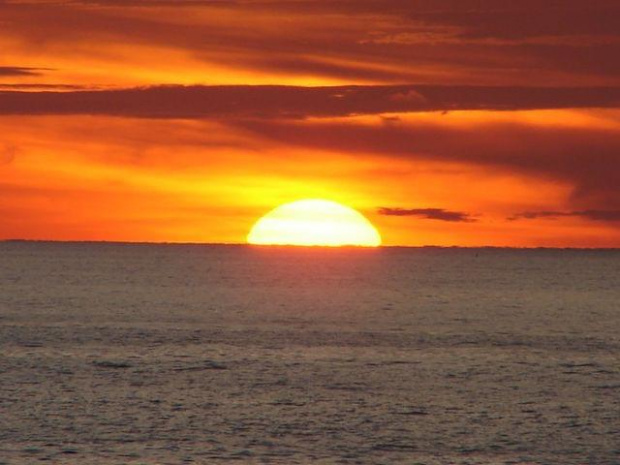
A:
240	244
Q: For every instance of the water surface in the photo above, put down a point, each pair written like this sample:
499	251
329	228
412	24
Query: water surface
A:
118	353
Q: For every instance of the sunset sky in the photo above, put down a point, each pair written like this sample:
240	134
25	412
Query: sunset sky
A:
445	122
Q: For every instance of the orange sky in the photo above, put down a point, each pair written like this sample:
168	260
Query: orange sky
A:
445	122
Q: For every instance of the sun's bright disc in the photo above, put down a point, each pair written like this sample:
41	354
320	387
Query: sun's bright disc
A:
314	222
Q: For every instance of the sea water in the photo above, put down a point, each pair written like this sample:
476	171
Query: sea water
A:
153	354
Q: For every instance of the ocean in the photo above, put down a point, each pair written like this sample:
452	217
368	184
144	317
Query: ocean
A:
168	354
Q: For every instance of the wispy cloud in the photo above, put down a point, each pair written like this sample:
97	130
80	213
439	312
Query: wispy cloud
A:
299	102
595	215
583	157
429	214
19	71
455	41
11	86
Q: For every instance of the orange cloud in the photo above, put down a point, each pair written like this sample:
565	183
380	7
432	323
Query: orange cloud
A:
187	120
202	181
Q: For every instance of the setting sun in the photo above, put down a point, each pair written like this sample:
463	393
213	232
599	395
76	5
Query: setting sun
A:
314	223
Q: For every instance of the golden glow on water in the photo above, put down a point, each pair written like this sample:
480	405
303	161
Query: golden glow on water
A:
314	223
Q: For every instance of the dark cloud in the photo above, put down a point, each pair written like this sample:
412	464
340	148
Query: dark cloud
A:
586	158
512	20
595	215
34	86
457	41
428	213
298	102
484	18
19	71
124	3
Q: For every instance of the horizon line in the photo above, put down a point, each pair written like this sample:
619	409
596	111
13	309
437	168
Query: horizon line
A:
236	244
